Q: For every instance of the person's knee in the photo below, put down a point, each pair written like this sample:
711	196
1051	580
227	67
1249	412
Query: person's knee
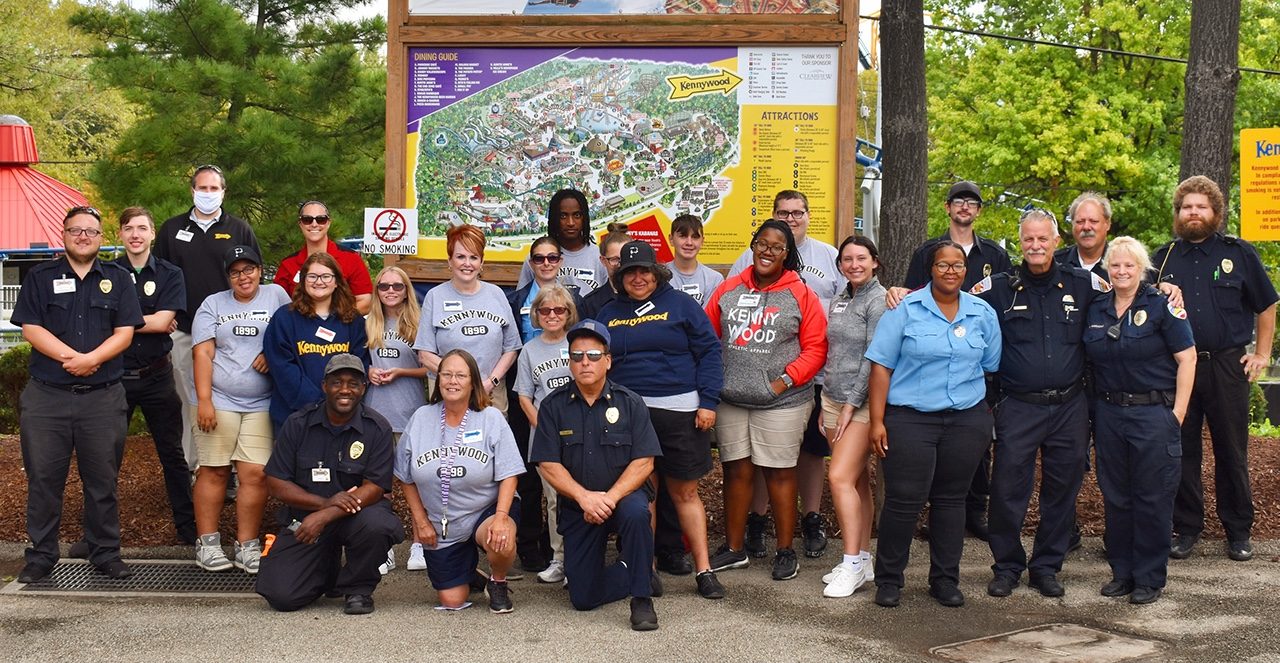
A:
581	599
683	492
282	600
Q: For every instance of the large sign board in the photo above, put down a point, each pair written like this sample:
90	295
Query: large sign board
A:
534	7
1260	184
646	133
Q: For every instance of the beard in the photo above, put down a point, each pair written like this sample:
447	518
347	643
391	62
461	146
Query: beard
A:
1194	232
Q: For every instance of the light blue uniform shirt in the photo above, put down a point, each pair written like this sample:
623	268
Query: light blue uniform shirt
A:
937	364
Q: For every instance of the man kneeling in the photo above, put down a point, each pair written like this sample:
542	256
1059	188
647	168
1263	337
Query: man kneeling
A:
595	445
331	465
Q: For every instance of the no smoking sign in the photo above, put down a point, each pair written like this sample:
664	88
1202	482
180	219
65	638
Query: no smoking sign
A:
390	231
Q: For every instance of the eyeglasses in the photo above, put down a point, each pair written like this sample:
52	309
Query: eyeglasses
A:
783	215
945	267
552	310
397	287
84	209
576	356
320	278
1037	212
552	258
247	271
612	262
208	166
966	203
576	216
87	232
762	246
307	220
455	377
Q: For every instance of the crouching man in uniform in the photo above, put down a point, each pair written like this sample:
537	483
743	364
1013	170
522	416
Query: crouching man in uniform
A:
331	465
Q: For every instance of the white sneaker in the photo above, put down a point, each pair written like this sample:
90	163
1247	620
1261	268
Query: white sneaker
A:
248	556
553	573
389	565
417	560
869	569
844	582
831	575
209	553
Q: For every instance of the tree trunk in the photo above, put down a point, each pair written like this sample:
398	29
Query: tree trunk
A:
1208	124
903	214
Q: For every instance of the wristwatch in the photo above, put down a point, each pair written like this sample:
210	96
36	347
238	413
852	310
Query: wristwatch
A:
495	381
786	379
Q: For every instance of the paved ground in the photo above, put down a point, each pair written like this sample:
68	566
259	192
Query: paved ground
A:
1213	610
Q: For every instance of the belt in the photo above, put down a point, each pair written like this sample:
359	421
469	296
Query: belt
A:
1047	396
156	366
78	388
1210	354
1125	399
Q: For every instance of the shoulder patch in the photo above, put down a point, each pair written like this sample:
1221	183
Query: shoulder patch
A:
1176	311
981	286
1099	284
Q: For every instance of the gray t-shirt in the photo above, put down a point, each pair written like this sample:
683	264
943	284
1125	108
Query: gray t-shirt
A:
851	323
236	329
479	323
819	272
699	285
397	400
544	365
581	268
484	456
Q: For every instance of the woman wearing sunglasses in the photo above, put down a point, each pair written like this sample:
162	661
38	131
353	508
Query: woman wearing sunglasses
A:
320	322
1144	360
313	222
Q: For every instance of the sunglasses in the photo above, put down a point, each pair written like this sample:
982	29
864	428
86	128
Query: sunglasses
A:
397	287
576	356
552	310
83	209
307	220
552	258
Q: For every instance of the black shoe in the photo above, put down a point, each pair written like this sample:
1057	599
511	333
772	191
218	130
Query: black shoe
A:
709	586
33	572
1077	538
358	604
727	558
1001	586
755	535
499	597
655	584
815	538
533	563
674	562
115	569
888	596
785	566
976	523
947	594
1143	595
1182	545
79	550
1117	587
1240	551
1047	585
643	616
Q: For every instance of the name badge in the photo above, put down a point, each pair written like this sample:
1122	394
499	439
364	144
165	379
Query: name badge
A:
297	276
752	299
839	307
645	308
320	475
326	334
1020	307
472	436
62	286
691	289
452	306
586	274
564	353
524	310
184	236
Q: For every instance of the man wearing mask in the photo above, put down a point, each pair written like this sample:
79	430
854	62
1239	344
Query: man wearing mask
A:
196	242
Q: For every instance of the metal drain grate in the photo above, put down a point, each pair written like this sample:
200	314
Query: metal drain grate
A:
150	578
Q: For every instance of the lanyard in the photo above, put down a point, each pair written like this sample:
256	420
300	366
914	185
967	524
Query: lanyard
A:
446	469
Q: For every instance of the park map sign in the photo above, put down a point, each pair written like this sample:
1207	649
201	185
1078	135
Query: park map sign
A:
647	133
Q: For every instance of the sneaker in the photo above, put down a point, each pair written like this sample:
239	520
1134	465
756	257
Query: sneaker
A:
1240	551
553	573
845	582
358	604
709	586
867	573
655	584
785	565
947	594
888	596
1182	545
248	556
33	572
673	562
209	553
755	536
727	558
417	560
815	538
389	565
499	597
643	616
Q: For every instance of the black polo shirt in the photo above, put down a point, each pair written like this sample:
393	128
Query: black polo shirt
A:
358	450
1070	257
595	443
160	287
985	259
199	253
1224	286
83	313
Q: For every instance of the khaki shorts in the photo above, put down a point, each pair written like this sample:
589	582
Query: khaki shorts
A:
239	436
831	413
770	438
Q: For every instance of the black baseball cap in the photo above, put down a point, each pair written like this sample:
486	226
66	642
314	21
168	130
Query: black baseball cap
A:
240	252
964	189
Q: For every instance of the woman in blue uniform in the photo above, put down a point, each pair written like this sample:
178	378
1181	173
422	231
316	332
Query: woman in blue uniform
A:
1145	361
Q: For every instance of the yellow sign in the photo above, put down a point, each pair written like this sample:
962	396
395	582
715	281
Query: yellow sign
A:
1260	184
683	87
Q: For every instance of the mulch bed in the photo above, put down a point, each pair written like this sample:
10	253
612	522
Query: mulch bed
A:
145	518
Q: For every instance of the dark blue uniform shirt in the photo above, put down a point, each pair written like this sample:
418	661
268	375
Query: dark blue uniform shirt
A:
1070	257
1141	359
160	287
985	259
1042	321
1224	286
595	443
358	450
81	312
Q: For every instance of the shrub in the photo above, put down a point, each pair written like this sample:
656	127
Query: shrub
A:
13	379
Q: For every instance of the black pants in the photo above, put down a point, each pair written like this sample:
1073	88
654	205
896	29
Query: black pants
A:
1221	395
156	395
591	583
55	423
294	574
1059	434
931	458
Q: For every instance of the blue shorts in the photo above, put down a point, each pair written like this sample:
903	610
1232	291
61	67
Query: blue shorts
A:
456	565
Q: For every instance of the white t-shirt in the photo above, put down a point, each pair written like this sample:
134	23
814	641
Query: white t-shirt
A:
237	330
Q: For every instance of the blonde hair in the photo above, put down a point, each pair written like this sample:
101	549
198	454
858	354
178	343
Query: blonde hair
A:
1126	244
375	324
553	292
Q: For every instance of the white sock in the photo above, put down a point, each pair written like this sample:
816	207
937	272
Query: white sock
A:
852	560
865	556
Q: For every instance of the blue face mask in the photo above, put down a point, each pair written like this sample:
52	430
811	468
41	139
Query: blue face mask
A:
207	202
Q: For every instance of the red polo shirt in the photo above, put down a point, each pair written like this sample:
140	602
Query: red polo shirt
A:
352	265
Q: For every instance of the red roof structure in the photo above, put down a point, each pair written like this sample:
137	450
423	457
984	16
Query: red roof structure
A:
32	204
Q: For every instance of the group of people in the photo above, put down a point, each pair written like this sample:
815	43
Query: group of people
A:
601	384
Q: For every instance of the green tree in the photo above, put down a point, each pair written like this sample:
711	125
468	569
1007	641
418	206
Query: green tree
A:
287	99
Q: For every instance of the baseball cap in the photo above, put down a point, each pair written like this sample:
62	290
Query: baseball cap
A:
240	252
590	327
636	253
344	362
964	189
